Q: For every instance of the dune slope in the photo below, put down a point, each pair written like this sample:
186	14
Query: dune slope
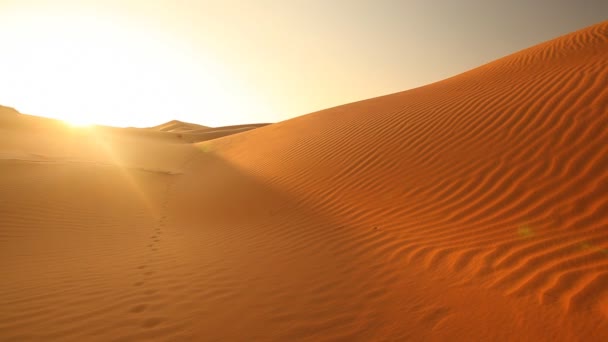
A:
188	132
474	208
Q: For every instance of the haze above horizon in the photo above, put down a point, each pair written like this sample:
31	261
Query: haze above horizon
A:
140	63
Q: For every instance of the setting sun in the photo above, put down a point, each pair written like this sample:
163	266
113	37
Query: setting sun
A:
77	122
87	66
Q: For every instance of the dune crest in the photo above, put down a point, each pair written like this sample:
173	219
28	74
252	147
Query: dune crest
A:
191	133
474	208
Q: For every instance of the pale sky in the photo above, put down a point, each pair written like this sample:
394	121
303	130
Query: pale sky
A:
144	62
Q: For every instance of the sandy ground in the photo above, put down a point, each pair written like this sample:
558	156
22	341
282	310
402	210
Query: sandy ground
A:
473	209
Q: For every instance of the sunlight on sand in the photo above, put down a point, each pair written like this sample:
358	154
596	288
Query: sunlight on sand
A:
114	155
77	122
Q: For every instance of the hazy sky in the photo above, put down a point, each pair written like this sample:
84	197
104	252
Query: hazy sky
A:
144	62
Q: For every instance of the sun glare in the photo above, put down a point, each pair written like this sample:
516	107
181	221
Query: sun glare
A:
116	70
78	122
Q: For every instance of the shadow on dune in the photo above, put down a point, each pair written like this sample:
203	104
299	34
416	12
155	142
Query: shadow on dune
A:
265	262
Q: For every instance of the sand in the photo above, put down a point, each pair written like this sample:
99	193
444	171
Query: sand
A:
475	209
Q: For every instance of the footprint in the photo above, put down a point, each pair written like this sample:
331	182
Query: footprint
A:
141	267
151	322
139	283
435	316
138	308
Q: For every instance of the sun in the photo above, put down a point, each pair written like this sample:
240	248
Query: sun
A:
78	122
111	71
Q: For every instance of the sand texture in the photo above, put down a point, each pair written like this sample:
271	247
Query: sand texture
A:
474	209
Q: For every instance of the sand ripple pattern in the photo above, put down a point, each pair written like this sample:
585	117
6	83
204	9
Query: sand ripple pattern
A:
498	175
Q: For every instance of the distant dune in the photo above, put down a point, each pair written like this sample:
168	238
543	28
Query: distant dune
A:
195	133
178	126
474	209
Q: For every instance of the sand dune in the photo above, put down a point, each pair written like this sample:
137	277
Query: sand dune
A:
189	132
474	208
178	126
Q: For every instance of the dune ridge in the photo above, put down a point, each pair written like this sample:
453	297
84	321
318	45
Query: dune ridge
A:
189	132
498	176
473	208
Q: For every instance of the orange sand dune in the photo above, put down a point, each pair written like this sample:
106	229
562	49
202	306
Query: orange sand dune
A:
473	209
